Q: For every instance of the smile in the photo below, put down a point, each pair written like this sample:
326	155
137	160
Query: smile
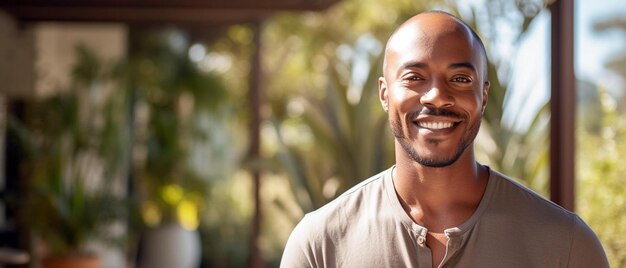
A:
435	125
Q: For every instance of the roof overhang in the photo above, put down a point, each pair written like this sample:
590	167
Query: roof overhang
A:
155	11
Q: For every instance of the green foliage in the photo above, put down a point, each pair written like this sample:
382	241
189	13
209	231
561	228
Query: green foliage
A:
342	153
171	96
601	198
72	144
226	225
68	216
601	145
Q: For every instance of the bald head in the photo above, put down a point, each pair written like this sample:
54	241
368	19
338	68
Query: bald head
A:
431	28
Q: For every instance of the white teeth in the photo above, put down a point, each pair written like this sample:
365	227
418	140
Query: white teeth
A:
435	125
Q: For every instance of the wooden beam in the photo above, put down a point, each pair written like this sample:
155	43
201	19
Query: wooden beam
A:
209	4
136	15
155	11
255	101
562	105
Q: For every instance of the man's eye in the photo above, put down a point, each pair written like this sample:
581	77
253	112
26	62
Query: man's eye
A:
462	79
413	78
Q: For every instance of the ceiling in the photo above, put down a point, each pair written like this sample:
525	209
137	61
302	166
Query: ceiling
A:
155	11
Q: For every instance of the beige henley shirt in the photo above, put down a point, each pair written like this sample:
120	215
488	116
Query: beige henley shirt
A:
512	227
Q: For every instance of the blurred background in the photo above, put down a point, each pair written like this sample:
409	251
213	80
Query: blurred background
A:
197	133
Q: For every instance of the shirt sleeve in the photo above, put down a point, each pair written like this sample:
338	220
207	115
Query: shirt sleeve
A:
298	251
586	248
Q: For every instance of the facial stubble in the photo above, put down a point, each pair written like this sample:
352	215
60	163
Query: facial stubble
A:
406	144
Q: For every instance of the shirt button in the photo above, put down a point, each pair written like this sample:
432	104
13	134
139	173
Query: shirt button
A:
420	240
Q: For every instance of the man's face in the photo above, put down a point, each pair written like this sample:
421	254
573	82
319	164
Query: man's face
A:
434	89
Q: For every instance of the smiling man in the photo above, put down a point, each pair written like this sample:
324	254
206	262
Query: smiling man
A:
437	206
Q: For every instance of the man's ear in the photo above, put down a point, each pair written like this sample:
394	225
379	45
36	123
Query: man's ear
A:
485	96
382	93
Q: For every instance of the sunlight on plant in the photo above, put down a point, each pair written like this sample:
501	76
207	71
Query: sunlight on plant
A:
151	214
187	212
172	194
185	204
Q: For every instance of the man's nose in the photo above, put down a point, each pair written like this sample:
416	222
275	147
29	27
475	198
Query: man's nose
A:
437	96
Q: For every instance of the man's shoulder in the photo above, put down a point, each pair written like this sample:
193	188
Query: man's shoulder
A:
531	211
511	194
336	214
540	222
350	199
319	232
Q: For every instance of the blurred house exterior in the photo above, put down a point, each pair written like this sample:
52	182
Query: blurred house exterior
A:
37	54
37	61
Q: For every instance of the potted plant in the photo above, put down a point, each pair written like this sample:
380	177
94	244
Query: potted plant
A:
73	147
173	100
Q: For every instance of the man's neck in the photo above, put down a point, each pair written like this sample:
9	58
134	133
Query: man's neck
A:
440	198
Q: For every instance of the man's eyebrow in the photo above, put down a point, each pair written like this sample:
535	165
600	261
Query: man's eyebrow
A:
414	64
463	65
423	65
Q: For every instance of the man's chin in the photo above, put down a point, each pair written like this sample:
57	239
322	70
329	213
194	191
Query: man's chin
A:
431	154
436	159
431	159
432	163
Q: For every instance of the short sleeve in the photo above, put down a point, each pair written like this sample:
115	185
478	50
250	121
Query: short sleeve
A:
586	248
298	251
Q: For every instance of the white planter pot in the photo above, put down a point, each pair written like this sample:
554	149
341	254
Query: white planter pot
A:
170	246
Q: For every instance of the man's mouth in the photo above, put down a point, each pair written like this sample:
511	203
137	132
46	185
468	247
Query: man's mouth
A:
439	120
435	125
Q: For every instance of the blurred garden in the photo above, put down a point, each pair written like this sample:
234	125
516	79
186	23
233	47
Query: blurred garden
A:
160	139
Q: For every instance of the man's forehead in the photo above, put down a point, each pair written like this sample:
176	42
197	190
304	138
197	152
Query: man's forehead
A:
427	27
426	32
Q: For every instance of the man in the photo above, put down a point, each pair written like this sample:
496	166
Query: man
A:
438	207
